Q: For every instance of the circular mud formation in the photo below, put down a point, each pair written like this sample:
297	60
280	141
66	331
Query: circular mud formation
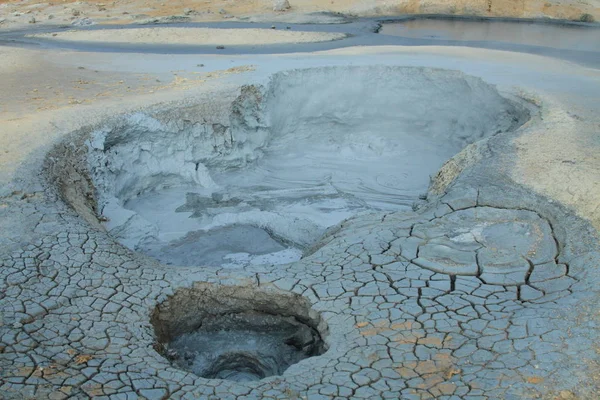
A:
260	177
237	334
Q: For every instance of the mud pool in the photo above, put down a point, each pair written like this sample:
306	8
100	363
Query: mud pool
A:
302	153
242	339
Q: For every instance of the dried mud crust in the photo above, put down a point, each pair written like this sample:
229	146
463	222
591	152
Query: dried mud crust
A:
76	312
486	291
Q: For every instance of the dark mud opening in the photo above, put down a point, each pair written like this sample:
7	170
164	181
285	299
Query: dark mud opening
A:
236	333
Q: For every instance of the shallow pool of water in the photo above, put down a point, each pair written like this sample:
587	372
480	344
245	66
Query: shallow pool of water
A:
581	38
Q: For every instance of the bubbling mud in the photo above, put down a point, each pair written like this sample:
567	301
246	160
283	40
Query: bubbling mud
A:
250	336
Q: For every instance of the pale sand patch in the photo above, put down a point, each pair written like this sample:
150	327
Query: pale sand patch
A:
46	94
193	36
560	158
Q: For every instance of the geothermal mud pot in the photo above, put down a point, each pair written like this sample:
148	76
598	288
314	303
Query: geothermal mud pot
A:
230	339
293	158
341	233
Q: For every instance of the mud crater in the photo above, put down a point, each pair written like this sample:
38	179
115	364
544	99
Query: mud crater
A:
259	177
238	334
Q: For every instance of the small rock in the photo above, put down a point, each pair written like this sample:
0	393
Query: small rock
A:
222	11
51	16
164	20
16	14
75	12
83	22
272	26
220	47
32	20
281	5
188	11
199	65
2	20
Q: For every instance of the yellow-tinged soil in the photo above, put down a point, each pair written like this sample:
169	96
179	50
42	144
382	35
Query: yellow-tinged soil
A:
19	12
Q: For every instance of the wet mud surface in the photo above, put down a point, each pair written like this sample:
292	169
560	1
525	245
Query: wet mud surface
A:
304	153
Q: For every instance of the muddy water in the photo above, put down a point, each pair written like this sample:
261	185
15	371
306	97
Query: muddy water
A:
579	38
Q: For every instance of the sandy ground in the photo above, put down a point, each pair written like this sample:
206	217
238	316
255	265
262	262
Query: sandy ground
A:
196	36
15	13
40	92
34	81
561	160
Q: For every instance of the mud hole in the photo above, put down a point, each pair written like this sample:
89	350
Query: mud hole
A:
237	333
